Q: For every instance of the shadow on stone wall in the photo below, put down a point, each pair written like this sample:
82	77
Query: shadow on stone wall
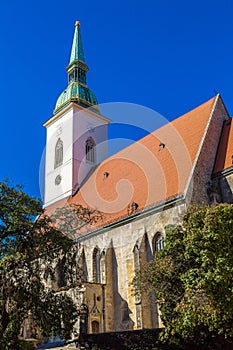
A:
116	306
226	190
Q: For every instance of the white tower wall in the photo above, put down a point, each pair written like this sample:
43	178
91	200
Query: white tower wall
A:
74	125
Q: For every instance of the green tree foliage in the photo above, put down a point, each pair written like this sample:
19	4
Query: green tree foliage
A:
70	217
29	245
192	277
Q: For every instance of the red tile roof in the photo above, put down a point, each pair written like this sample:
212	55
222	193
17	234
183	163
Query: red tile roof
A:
146	172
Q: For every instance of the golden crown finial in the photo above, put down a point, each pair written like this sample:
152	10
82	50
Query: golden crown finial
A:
77	24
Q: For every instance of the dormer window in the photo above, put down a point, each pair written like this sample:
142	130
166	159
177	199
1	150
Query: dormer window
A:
134	207
161	146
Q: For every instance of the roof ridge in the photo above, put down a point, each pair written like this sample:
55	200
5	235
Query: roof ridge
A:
160	128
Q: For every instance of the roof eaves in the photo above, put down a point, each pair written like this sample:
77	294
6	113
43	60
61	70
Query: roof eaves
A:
223	173
138	215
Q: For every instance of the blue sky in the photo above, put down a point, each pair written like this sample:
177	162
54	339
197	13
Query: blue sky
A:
169	56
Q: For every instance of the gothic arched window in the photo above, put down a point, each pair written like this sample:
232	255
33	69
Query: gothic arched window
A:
95	326
96	265
103	267
136	258
158	242
82	267
58	153
60	274
138	305
90	150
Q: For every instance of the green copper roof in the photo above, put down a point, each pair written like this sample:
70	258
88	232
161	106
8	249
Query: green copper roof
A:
77	90
79	94
77	52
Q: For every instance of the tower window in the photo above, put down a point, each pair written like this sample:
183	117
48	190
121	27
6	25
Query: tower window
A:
58	153
90	150
71	77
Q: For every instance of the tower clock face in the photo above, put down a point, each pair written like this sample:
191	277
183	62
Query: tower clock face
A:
58	180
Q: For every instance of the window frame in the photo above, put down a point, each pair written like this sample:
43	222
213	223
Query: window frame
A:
90	151
158	242
58	159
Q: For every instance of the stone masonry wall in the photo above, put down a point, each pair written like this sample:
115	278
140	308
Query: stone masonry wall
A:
119	243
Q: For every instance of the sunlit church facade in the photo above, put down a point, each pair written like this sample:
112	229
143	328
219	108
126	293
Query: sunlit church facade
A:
139	191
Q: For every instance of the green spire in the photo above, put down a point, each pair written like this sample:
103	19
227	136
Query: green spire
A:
77	68
77	90
77	52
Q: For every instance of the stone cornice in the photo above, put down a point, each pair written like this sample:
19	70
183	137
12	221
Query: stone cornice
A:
136	216
77	107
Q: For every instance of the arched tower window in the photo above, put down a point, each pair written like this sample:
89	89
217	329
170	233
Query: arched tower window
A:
58	153
158	242
96	265
90	150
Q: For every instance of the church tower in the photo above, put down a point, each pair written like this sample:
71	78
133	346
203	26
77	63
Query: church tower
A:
77	133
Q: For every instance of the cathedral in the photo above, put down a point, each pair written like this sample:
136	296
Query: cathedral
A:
138	192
